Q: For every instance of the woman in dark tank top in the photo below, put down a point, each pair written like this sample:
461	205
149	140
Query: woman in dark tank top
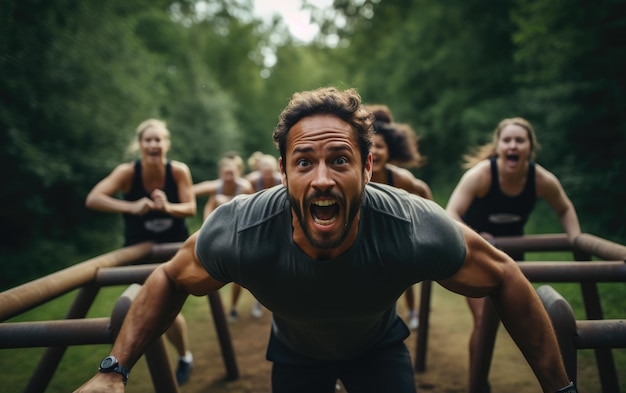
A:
157	197
394	149
497	193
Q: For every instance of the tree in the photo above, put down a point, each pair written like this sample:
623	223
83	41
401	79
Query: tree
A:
572	56
77	79
446	68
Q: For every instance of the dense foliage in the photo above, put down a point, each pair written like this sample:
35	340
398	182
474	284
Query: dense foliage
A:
76	77
454	69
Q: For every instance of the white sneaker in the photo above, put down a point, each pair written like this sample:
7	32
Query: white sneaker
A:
414	321
257	310
232	317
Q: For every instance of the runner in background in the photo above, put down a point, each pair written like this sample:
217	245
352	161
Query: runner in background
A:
157	197
228	186
395	148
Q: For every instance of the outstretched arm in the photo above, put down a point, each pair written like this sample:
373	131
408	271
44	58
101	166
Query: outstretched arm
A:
153	311
549	188
488	271
207	187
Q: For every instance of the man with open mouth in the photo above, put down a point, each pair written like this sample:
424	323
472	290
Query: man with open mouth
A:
329	254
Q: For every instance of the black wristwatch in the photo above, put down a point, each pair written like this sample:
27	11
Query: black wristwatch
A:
110	365
568	389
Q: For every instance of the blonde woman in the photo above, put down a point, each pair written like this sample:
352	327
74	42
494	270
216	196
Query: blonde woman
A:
498	192
157	196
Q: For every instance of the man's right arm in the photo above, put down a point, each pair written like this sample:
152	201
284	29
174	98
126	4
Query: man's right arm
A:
488	271
153	311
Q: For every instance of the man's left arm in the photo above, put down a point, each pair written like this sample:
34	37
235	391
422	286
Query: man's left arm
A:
488	271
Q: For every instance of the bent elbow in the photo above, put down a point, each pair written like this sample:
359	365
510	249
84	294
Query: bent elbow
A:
89	201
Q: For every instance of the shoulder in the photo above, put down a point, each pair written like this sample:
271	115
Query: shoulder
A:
544	176
245	215
477	178
180	171
246	210
399	173
124	170
546	182
396	202
421	225
403	178
245	184
253	176
179	167
480	170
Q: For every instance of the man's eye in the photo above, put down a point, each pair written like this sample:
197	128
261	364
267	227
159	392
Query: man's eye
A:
341	161
302	163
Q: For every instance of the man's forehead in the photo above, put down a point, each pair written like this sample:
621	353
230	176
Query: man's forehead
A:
321	128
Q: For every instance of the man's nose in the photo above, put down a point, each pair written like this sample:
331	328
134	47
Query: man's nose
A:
323	179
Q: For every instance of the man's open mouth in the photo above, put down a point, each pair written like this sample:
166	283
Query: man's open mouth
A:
324	212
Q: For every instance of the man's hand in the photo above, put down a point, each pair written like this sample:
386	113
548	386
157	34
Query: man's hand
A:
103	383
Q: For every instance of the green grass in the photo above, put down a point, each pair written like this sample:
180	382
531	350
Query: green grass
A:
18	364
79	363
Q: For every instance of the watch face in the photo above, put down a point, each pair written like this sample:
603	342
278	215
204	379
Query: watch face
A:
108	362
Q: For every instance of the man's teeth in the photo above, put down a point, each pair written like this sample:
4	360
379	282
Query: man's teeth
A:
324	203
324	222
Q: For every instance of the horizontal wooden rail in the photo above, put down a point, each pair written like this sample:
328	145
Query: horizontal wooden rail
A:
34	293
108	276
530	243
605	333
51	333
600	248
598	271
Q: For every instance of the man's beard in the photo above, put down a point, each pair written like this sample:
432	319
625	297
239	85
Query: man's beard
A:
324	244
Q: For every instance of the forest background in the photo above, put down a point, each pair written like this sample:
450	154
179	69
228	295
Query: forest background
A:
77	77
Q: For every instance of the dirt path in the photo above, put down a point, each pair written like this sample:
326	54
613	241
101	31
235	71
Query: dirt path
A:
447	357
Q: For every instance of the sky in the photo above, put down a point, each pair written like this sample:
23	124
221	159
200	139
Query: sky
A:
296	19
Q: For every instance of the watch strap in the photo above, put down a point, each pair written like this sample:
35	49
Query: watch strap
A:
123	371
568	389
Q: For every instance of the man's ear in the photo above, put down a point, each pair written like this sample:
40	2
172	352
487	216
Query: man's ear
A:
283	172
369	165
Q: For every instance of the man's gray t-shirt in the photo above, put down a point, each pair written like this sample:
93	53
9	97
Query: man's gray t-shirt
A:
331	309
